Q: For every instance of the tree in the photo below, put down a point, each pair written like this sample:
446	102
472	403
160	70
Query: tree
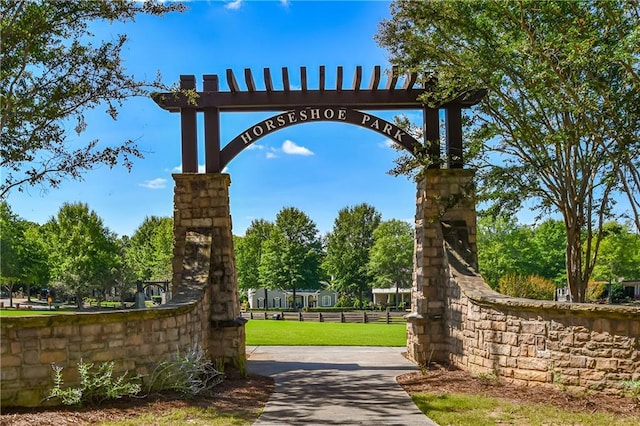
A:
53	71
34	258
348	247
11	230
248	251
504	246
619	254
291	255
391	259
150	249
549	244
122	273
82	250
23	256
561	121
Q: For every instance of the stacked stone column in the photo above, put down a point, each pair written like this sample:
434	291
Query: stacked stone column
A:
443	195
201	204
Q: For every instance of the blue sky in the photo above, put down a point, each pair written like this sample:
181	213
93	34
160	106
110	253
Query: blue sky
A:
316	167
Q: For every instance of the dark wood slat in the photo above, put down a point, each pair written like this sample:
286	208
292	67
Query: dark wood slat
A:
321	79
453	129
393	79
357	78
339	77
303	78
410	81
212	128
285	79
431	133
268	84
188	129
279	100
231	81
375	78
248	78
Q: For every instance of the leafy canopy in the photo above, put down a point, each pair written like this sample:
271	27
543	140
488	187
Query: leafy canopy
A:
560	126
53	71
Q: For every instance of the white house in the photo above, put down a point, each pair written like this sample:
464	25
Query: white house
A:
283	299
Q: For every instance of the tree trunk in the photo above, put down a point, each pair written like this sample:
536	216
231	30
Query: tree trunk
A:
575	281
266	300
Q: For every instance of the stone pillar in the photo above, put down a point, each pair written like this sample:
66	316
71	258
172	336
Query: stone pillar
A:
444	197
201	203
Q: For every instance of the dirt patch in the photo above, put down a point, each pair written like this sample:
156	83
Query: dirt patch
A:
245	397
441	380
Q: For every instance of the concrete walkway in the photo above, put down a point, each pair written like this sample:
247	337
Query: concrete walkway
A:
335	386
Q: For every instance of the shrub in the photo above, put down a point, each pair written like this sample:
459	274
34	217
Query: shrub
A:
190	374
531	287
95	387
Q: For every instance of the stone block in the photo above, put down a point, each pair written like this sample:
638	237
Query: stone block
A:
50	357
9	373
606	364
53	343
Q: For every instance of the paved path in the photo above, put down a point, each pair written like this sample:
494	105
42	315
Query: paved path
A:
335	386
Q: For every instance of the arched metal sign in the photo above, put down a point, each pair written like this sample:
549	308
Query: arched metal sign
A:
304	105
313	114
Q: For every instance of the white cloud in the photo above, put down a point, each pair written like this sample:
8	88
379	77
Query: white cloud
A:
255	146
178	169
387	143
285	3
233	5
157	183
271	155
289	147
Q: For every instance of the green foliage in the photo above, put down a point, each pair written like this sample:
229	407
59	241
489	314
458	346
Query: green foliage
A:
150	249
190	373
391	259
504	246
559	127
53	72
82	250
619	253
95	386
292	253
530	287
248	251
348	251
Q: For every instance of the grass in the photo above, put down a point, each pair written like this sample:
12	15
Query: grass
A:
294	333
189	415
31	312
476	410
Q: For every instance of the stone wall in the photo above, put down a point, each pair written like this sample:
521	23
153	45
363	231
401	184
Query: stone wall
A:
136	341
204	311
458	319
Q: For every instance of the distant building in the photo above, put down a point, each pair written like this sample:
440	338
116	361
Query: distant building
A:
283	299
632	289
387	297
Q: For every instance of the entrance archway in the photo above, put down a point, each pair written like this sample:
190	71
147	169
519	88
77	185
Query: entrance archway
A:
201	200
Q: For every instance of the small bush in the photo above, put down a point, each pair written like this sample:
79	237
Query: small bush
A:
190	374
531	287
95	387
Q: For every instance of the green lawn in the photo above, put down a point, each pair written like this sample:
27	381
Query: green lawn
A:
294	333
25	312
475	410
